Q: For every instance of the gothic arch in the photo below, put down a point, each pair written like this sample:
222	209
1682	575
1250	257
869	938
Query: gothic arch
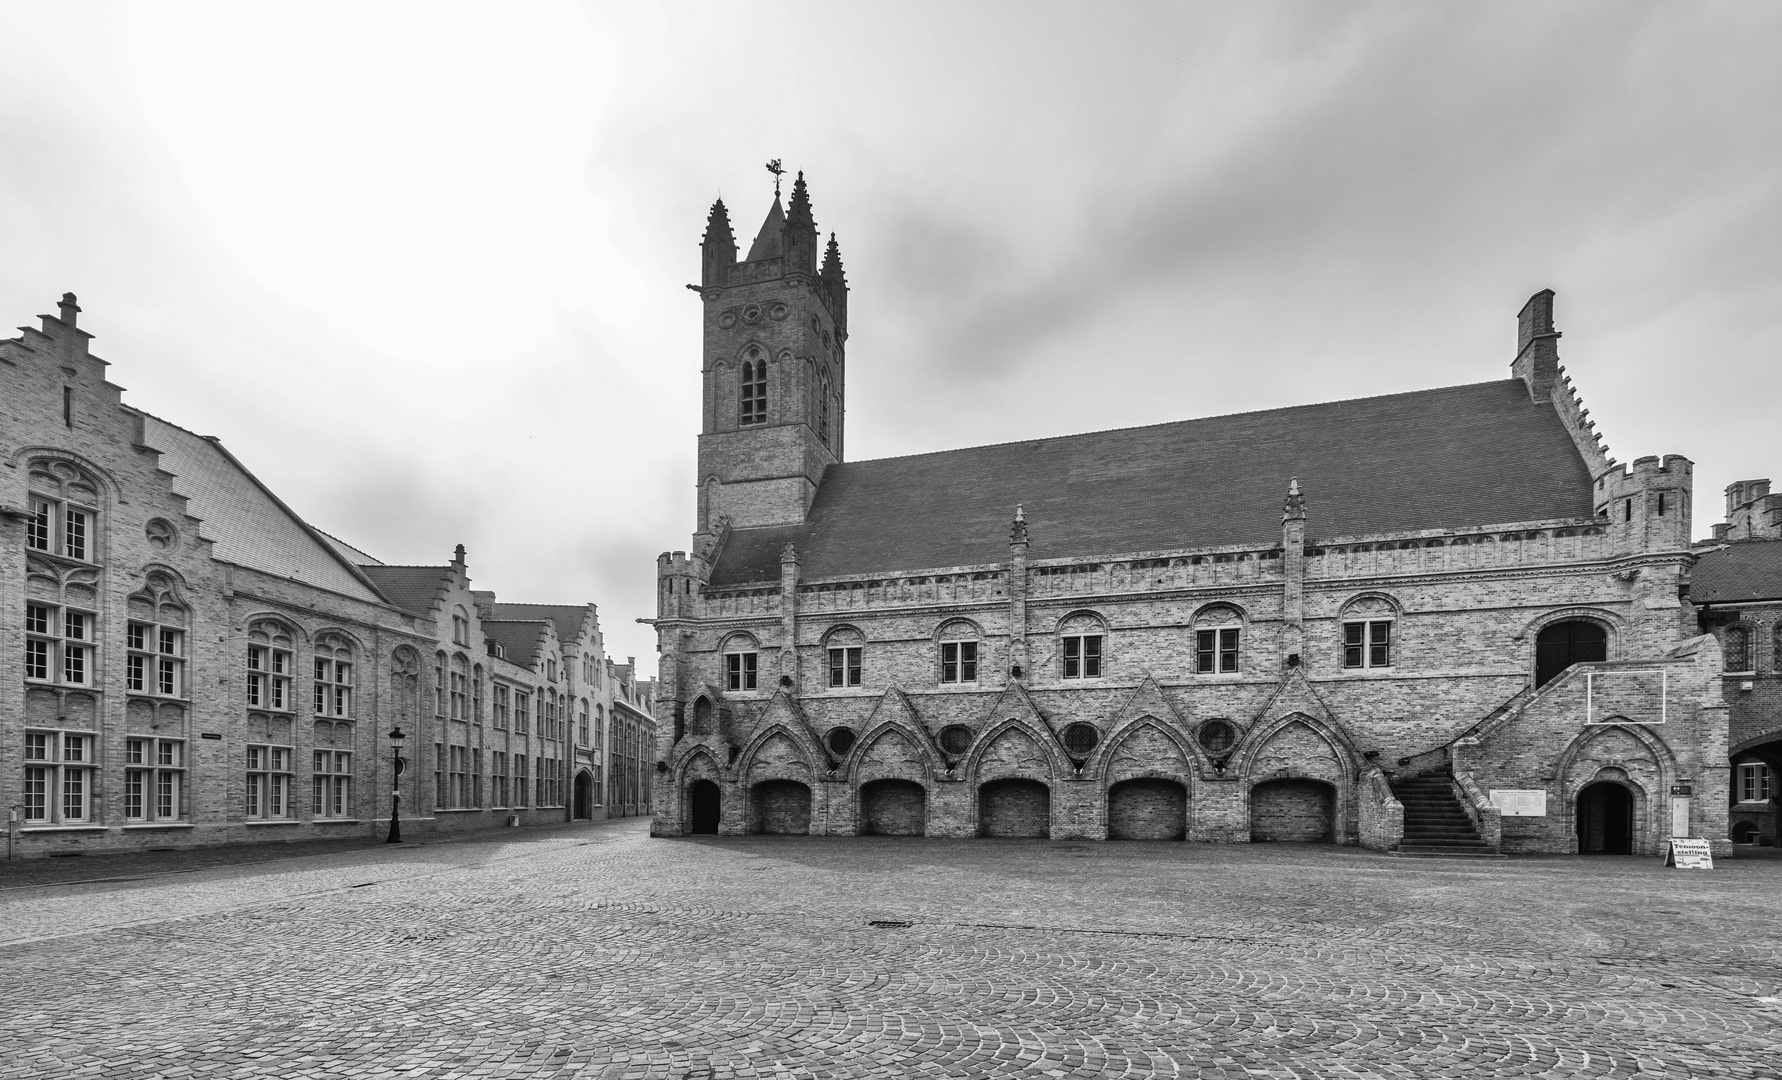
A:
1250	742
284	622
804	771
1057	766
1369	601
1613	623
1213	613
1661	754
353	640
103	479
961	628
689	761
856	756
1085	617
1103	755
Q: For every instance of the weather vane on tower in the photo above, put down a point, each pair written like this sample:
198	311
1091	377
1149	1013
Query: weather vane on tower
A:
776	169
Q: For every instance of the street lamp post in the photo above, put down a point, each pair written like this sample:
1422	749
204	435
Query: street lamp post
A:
396	766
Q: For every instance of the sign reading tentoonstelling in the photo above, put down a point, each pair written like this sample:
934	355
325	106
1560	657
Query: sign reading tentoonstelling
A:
1517	802
1689	853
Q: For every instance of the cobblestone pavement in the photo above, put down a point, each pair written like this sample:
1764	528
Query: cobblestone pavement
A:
595	951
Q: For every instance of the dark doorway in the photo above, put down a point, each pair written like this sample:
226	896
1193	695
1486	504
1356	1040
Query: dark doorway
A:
893	808
702	808
1147	810
1605	819
782	808
1575	641
1015	808
1296	811
584	797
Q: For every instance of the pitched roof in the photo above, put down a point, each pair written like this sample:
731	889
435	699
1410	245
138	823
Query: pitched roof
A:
1456	457
519	638
568	617
411	588
769	242
246	523
1747	570
348	551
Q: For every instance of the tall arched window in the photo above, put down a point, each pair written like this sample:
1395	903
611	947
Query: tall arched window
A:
1573	641
752	401
823	404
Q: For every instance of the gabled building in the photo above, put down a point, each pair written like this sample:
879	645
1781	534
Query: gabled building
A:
1443	619
185	660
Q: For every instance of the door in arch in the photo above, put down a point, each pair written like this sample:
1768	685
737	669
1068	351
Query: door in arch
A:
584	797
703	803
1012	808
1149	809
1575	641
1605	819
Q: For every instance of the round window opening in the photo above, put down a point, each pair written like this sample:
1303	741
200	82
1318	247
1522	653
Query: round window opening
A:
955	739
1079	739
840	740
1217	736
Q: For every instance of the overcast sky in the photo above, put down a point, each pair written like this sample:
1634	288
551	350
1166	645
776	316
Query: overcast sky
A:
421	267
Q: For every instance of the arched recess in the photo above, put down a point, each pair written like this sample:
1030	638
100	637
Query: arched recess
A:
1245	757
1294	810
893	807
1001	752
1015	807
1639	760
1606	814
584	796
1614	633
1148	808
780	808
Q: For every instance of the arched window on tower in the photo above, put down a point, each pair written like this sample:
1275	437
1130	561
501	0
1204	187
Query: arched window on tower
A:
752	403
823	404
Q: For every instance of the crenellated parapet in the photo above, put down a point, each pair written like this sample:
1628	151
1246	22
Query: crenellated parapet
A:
1645	505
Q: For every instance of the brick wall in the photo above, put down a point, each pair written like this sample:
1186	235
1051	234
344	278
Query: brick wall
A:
782	807
1147	810
1014	808
893	808
1292	810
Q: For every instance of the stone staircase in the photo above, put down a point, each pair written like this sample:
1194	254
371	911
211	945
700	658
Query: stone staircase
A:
1435	823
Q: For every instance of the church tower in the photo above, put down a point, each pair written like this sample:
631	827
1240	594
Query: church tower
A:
776	324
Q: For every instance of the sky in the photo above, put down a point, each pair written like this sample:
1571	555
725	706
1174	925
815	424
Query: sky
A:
421	266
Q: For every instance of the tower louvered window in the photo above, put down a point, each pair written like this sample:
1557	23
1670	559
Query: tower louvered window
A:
754	393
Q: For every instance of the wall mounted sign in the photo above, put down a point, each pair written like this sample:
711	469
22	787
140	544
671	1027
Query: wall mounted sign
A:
1516	802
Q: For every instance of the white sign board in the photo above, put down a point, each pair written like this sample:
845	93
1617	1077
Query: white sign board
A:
1511	802
1689	853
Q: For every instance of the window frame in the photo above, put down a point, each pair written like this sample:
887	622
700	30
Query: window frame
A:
1373	645
1755	782
742	670
54	655
1218	650
271	776
331	784
751	395
60	775
156	767
846	670
1082	655
964	668
51	528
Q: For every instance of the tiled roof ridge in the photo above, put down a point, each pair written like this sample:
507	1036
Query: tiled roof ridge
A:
1172	423
406	566
163	420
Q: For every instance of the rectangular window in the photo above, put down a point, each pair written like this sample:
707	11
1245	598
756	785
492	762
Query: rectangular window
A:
75	538
844	667
1367	644
582	728
269	678
1216	650
519	780
37	659
459	779
522	719
330	784
460	685
38	619
1082	656
37	526
498	777
501	706
740	670
268	782
59	788
1754	783
959	661
476	777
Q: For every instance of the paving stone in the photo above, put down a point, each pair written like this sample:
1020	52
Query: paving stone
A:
599	952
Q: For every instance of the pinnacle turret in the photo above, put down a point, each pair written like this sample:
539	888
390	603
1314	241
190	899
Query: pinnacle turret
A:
800	213
718	247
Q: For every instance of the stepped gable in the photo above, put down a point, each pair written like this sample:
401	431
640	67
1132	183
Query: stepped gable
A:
245	522
412	588
1456	457
1745	571
568	617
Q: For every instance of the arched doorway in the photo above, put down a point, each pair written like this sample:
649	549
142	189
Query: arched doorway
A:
1294	811
1015	808
703	804
584	796
1148	809
893	808
782	808
1605	819
1574	641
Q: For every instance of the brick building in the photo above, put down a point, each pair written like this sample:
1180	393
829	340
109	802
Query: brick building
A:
187	661
1737	587
1441	619
633	740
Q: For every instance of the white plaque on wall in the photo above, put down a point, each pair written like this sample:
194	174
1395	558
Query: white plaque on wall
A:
1512	802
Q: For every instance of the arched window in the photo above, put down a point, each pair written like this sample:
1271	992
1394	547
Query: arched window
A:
823	403
1572	641
63	515
845	647
458	689
1367	633
1081	646
960	646
752	400
741	663
155	641
269	668
1218	634
1735	645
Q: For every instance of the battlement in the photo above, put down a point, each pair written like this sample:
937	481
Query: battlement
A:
1752	512
1646	504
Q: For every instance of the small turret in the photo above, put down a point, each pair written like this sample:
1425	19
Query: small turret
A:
678	581
834	285
800	244
718	248
1752	512
1646	505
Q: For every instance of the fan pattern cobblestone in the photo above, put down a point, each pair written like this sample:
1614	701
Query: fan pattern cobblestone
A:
599	952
